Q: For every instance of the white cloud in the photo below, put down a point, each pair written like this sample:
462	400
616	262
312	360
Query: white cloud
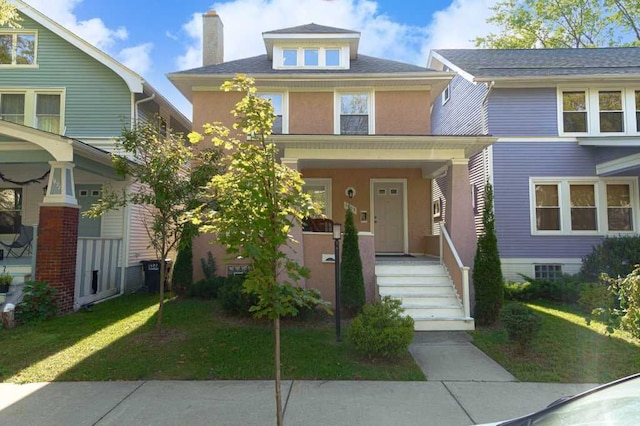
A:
138	58
245	20
92	30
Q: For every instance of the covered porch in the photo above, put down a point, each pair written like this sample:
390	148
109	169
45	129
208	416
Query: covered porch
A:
388	182
46	182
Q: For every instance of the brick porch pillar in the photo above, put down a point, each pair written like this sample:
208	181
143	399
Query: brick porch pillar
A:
58	235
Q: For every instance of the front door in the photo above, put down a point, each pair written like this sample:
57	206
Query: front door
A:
388	220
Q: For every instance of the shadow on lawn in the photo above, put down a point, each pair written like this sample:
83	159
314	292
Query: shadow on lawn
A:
566	350
28	345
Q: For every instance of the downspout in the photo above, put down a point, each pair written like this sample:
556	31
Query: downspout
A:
137	104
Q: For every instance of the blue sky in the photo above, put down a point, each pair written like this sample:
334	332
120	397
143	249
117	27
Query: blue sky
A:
158	37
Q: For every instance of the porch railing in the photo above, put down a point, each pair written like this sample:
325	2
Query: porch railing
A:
459	273
97	268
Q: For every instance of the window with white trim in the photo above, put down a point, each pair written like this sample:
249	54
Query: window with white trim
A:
315	57
278	102
320	191
42	109
587	206
547	272
17	48
354	114
446	94
599	111
10	210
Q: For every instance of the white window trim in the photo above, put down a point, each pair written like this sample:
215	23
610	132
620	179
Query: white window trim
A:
370	106
285	106
30	95
565	204
446	94
593	110
278	57
30	102
326	182
35	48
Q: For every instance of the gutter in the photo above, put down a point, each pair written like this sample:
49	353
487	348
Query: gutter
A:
137	104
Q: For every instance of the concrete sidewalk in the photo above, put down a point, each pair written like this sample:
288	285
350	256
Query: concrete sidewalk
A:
465	387
252	402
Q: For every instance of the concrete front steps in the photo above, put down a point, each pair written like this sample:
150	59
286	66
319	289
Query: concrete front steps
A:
426	292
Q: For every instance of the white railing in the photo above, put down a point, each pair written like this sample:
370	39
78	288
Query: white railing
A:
97	268
459	273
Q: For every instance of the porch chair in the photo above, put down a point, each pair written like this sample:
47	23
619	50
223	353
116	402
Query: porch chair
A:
22	241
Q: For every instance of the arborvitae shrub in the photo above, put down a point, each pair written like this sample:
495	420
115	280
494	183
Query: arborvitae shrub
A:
352	292
182	278
521	323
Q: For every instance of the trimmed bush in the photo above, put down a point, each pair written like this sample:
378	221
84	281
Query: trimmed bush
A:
234	299
352	292
615	256
207	288
39	302
487	272
521	323
182	278
381	331
565	290
595	296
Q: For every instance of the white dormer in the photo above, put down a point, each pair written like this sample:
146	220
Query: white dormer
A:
311	46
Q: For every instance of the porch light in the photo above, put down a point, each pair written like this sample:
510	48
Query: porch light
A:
337	233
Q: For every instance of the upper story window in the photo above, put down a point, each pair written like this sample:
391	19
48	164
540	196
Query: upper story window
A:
40	109
10	210
599	112
310	57
564	206
354	111
17	48
278	102
446	94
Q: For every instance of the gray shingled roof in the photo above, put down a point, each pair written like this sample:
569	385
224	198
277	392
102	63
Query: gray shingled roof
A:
262	65
505	63
311	29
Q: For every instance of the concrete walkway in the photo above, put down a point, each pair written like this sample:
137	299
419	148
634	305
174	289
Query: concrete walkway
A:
465	387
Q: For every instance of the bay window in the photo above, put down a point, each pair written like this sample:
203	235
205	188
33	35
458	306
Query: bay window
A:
589	206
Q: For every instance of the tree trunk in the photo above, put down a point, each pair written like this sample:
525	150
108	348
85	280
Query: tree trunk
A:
276	336
161	304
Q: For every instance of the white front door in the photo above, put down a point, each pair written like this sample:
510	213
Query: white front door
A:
388	220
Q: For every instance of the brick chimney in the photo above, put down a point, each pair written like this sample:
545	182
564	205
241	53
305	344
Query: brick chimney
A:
212	39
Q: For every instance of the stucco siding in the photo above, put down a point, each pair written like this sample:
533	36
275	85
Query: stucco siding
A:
402	112
523	112
97	100
463	113
311	113
513	164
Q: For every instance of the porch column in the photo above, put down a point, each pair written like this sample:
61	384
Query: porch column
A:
459	217
58	234
296	252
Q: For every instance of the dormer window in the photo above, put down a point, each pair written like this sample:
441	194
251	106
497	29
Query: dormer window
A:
311	57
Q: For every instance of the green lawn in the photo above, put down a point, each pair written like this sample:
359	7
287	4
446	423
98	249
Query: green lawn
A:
116	341
566	350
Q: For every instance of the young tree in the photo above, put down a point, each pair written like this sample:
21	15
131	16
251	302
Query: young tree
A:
159	168
487	274
258	202
9	15
352	291
526	24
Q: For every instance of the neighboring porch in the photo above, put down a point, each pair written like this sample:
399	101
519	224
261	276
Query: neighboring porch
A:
47	181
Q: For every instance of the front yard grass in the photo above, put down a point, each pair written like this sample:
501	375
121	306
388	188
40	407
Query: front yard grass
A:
117	341
566	350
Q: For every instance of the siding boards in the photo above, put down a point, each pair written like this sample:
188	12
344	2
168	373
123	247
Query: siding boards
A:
97	102
604	154
463	113
513	164
516	112
478	175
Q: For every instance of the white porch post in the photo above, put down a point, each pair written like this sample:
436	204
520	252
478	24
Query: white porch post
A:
61	186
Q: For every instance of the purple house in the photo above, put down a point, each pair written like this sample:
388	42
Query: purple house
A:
566	163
